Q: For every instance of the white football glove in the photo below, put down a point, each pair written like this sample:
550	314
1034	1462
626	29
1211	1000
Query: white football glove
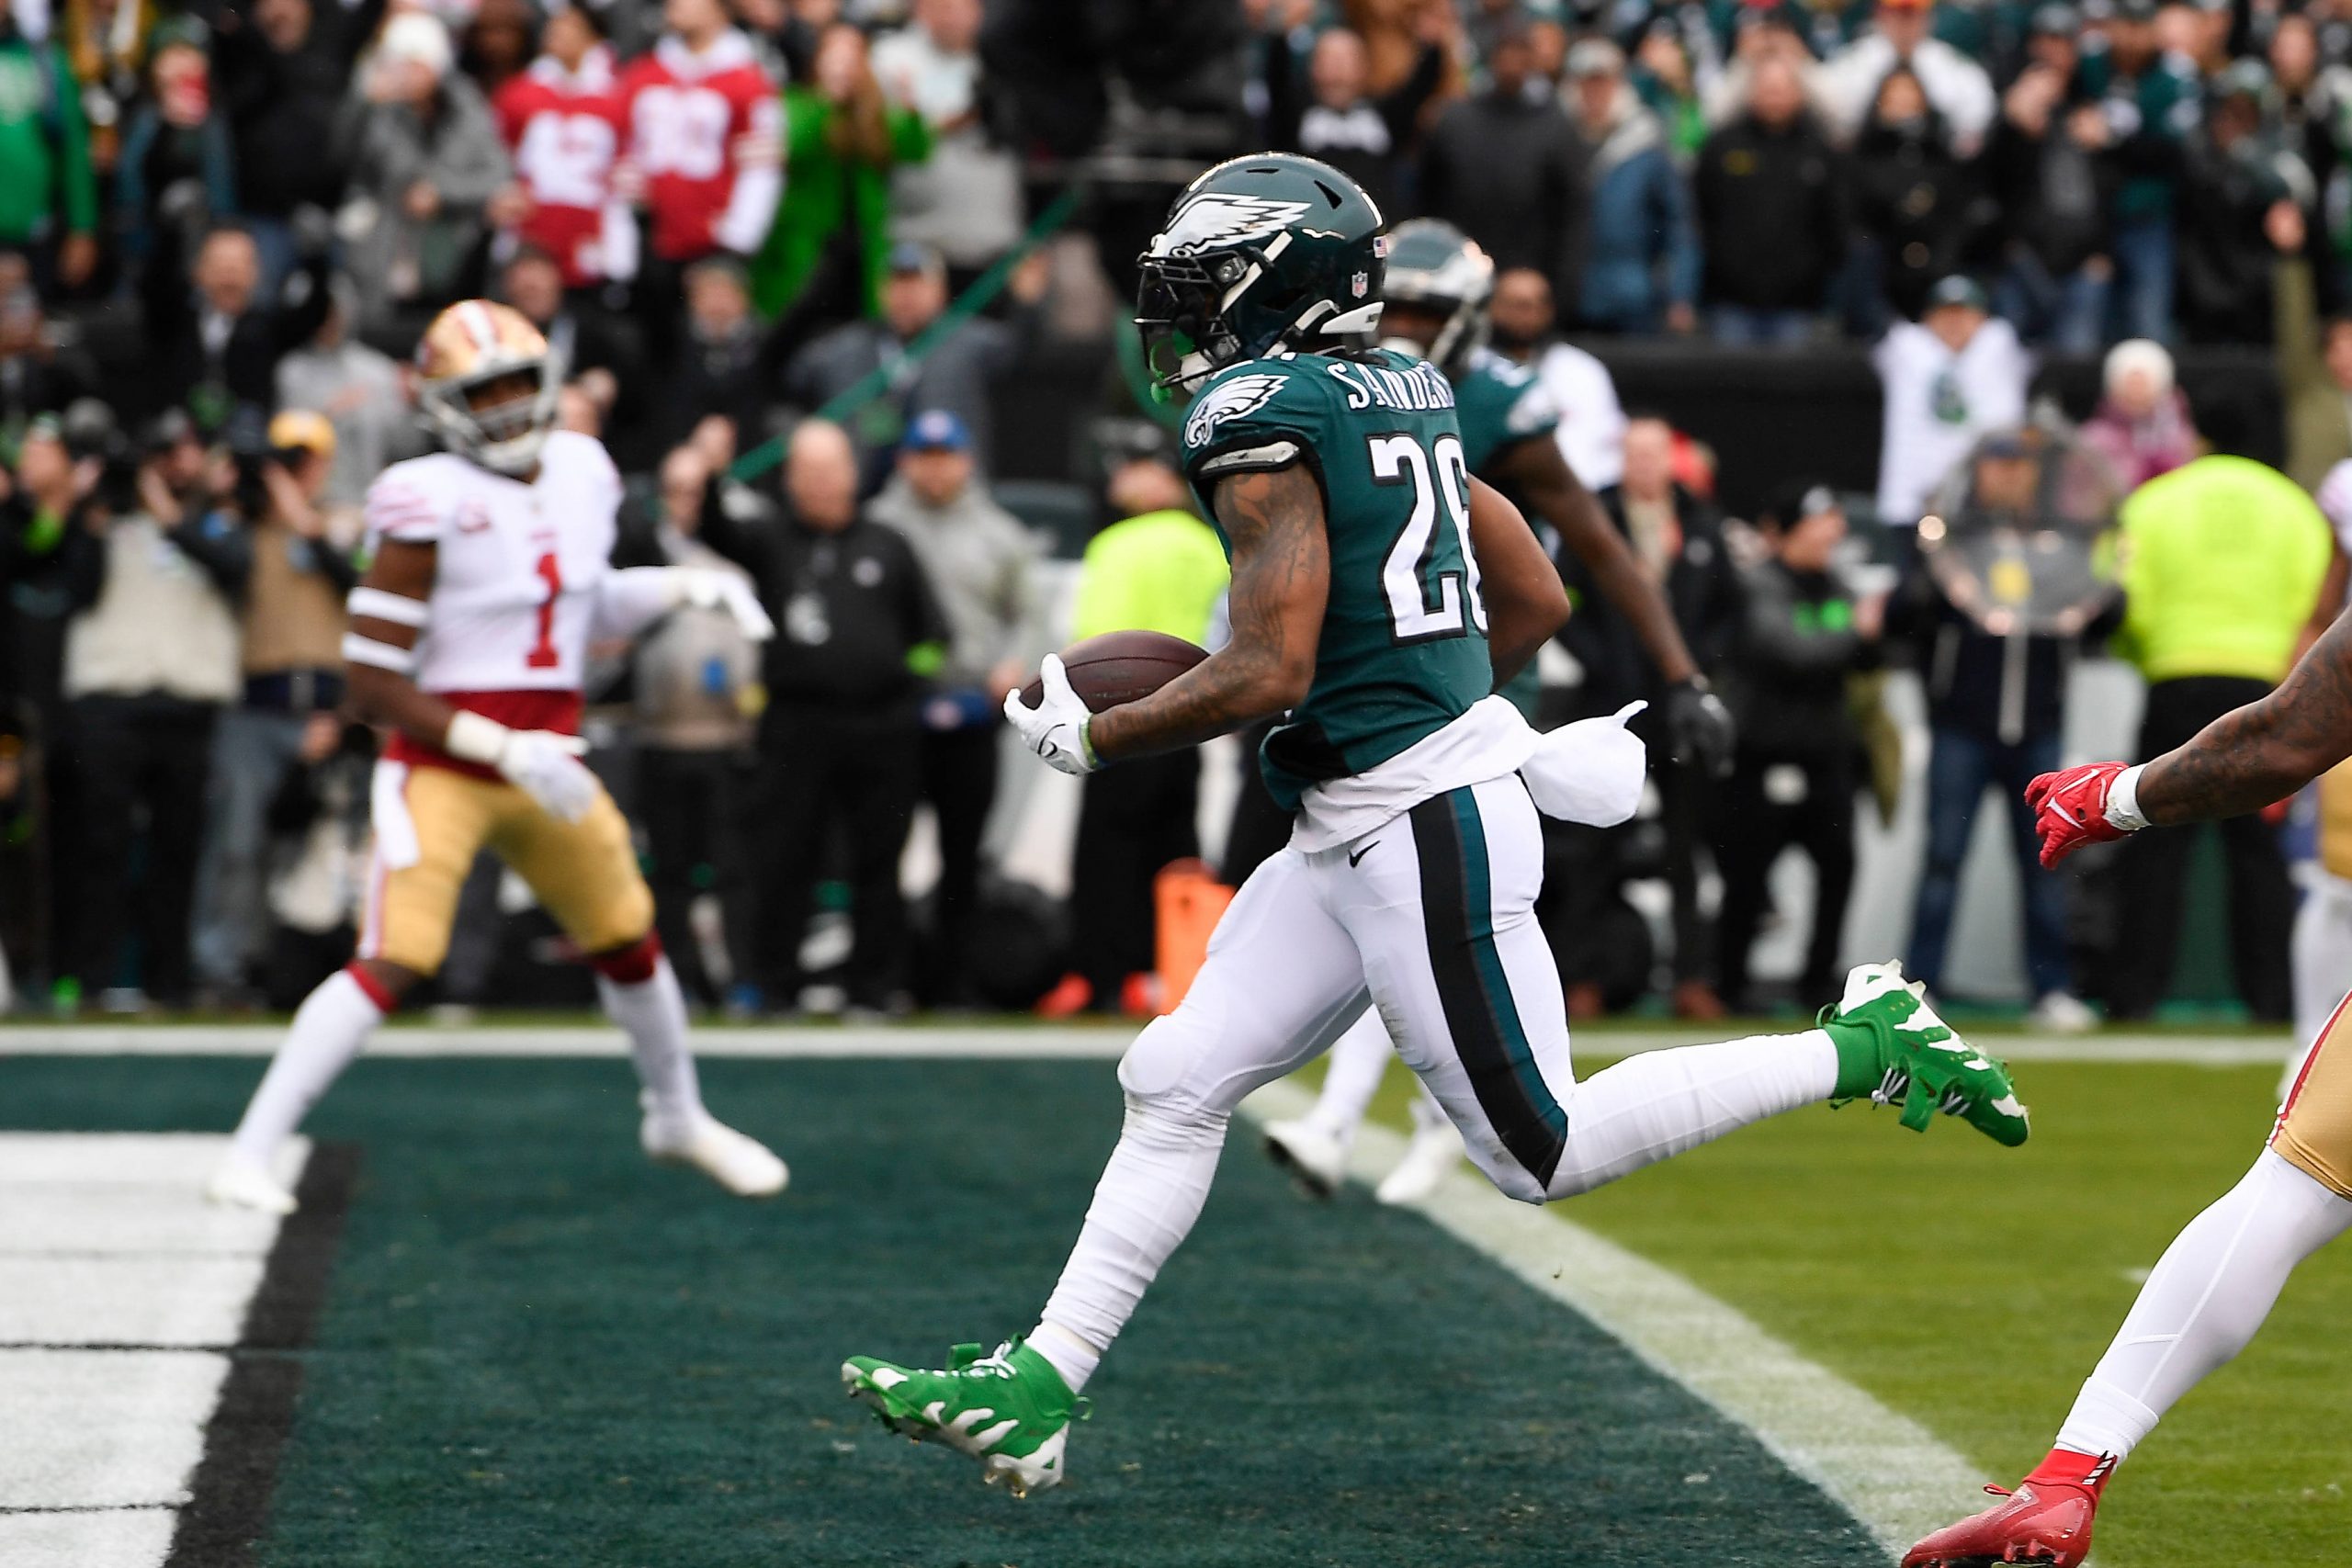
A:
542	764
707	590
1055	727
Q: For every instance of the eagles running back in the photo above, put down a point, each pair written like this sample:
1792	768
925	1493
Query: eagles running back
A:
1337	475
1403	652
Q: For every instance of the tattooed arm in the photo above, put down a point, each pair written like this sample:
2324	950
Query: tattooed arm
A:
2264	752
1281	571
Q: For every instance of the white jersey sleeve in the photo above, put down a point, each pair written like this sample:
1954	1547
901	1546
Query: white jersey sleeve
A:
401	506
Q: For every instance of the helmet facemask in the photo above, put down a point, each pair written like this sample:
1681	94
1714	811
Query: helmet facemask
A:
506	437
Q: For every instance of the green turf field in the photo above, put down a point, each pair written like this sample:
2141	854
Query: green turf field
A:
1974	1288
536	1350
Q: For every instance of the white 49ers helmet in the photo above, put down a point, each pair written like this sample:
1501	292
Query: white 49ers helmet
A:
469	349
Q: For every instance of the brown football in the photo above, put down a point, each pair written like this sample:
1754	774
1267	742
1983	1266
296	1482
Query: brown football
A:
1119	666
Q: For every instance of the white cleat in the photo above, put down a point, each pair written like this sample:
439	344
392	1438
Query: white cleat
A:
1316	1161
241	1184
742	1165
2063	1013
1429	1159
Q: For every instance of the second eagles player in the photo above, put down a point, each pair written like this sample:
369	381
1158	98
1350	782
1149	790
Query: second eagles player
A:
469	635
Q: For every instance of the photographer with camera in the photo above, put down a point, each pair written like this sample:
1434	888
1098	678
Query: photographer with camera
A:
300	548
155	573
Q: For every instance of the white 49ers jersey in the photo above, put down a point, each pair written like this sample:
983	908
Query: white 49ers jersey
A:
514	586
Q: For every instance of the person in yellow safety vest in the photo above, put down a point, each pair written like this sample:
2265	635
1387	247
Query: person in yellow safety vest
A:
2222	561
1160	569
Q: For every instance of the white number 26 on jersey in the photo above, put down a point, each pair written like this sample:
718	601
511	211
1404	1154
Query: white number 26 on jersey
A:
1424	601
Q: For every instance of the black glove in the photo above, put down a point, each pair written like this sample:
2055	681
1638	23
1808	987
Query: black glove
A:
1698	731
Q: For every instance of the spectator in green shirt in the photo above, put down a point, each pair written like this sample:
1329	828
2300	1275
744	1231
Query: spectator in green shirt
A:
49	198
840	141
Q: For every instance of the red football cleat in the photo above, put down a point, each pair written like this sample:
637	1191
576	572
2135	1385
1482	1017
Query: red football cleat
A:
2046	1521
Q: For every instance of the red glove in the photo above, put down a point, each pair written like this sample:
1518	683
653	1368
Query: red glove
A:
2070	809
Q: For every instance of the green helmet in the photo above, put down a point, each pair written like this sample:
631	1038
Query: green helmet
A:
1435	265
1261	256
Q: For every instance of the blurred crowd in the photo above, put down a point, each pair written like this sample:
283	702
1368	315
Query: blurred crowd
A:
784	248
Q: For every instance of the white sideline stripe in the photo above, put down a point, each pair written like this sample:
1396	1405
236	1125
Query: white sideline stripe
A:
119	1428
1884	1469
949	1043
114	1275
125	1539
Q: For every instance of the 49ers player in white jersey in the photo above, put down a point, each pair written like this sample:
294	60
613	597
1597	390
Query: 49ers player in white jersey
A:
467	639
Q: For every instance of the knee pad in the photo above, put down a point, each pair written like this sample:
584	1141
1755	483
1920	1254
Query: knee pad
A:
1155	1064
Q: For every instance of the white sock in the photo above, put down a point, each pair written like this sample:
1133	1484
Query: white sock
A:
1150	1195
2203	1301
328	1030
1065	1353
1659	1104
1358	1061
654	1015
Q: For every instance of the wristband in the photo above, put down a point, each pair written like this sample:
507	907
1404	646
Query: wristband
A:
2123	800
1086	742
474	738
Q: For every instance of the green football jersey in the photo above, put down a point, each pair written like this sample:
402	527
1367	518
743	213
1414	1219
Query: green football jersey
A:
1499	404
1403	649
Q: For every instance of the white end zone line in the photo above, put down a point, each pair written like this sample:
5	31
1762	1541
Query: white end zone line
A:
949	1042
120	1288
1884	1469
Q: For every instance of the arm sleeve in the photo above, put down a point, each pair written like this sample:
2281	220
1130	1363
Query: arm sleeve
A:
759	178
634	598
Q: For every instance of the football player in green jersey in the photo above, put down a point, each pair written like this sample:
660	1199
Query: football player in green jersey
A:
1378	591
1433	307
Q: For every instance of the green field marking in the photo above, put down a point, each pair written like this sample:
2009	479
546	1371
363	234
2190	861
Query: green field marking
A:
539	1350
1972	1289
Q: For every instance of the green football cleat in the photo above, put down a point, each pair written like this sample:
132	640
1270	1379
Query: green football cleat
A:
1892	1048
1008	1409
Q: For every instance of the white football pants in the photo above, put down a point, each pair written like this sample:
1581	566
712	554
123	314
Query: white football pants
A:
1432	916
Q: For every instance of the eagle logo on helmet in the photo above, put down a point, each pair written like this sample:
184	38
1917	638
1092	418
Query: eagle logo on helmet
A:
1218	218
470	348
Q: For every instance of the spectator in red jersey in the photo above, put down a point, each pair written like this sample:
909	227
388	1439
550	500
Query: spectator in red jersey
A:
562	122
705	140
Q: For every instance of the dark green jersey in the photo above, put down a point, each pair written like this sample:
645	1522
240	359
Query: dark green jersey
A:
1500	405
1403	650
